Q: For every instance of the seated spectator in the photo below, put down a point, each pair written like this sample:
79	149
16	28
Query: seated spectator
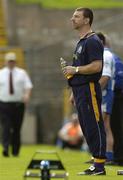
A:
70	134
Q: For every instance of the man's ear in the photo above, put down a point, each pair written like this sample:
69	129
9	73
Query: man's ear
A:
86	20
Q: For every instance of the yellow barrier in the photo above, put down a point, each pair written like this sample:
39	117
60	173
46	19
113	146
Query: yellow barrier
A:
3	34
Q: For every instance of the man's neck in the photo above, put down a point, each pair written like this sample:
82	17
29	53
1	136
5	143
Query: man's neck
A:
11	68
83	32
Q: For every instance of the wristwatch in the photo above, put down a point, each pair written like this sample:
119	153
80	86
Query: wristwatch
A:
77	70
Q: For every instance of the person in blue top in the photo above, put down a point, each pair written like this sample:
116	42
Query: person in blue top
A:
107	82
117	112
114	105
83	77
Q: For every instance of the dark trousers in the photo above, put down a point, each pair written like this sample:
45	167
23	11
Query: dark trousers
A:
88	103
117	126
11	115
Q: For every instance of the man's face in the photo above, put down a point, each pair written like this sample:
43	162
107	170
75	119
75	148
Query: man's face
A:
11	64
78	20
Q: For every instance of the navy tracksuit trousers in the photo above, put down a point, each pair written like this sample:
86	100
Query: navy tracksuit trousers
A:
88	103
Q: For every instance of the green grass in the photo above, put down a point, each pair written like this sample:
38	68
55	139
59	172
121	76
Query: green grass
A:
76	3
13	168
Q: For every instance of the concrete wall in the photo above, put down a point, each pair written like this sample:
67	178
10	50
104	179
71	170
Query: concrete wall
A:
36	26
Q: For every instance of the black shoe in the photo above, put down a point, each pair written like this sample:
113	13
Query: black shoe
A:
5	153
93	171
15	154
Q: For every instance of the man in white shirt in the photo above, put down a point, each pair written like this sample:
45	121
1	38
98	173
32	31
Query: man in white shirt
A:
15	91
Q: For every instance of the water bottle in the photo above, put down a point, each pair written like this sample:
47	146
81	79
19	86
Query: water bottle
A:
45	170
64	64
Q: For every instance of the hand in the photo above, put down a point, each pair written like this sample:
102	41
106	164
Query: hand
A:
26	96
69	70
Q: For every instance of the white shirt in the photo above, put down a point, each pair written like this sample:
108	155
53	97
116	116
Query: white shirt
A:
109	68
21	82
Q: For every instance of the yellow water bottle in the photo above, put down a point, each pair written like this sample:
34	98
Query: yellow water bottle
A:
64	64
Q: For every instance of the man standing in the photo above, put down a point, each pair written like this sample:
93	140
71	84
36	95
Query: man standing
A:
86	71
15	91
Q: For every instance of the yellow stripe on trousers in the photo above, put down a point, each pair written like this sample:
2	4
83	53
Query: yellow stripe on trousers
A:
99	160
94	101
